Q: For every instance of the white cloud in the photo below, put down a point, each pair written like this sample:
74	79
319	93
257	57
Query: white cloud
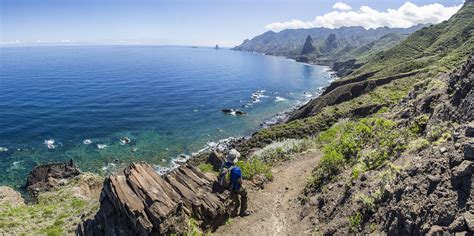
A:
341	6
407	15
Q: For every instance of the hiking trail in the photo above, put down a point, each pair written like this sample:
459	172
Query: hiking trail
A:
276	208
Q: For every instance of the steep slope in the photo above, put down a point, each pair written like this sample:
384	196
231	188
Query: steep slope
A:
438	48
432	50
308	46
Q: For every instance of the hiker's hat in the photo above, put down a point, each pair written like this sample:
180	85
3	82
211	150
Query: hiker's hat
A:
233	156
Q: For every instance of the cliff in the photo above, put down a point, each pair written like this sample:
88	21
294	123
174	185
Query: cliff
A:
138	201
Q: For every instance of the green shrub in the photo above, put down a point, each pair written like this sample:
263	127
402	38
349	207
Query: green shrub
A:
419	124
347	144
355	221
253	167
206	168
418	145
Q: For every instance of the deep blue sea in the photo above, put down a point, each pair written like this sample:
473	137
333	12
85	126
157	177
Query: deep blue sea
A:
77	102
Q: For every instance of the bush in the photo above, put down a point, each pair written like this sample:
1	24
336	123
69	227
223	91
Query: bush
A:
418	145
206	168
251	168
419	124
355	221
277	151
345	143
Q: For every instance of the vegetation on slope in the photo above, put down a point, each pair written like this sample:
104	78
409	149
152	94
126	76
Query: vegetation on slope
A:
56	212
437	48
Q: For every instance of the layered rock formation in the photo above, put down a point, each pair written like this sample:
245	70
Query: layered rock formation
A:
138	201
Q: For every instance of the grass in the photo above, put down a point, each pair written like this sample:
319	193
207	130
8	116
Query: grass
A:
206	168
193	229
55	213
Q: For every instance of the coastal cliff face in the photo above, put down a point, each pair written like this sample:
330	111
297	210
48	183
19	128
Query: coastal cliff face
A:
138	201
427	189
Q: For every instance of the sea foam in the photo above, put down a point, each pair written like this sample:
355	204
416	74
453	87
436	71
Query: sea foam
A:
50	143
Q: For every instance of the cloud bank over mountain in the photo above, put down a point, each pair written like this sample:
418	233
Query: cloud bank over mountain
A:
405	16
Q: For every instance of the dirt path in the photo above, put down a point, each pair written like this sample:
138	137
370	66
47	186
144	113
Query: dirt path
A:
275	209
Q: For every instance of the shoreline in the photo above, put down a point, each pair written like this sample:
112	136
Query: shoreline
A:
224	143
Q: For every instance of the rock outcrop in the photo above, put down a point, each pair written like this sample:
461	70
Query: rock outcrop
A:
138	201
308	46
344	90
11	197
47	177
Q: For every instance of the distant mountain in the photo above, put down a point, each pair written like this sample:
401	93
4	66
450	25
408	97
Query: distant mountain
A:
342	41
437	48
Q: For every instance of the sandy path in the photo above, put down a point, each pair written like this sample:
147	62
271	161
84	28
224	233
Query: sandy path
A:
275	209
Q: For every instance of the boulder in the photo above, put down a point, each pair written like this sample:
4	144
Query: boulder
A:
47	177
10	197
216	159
470	129
469	218
469	151
138	201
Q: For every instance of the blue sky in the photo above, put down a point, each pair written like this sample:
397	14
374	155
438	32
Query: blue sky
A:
192	22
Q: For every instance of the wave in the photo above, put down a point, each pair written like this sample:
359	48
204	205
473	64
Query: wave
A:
101	146
279	99
87	141
221	145
50	143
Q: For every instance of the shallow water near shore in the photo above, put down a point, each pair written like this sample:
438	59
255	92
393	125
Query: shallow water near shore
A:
79	102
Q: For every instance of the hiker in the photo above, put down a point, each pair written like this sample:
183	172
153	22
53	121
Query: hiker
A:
230	177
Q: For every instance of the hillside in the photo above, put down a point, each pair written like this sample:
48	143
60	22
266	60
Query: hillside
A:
386	149
396	151
329	44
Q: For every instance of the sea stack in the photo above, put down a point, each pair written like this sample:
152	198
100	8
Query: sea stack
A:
308	46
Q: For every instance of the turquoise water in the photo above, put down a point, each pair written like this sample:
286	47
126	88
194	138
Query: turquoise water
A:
58	103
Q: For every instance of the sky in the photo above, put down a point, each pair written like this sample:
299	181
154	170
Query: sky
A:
198	22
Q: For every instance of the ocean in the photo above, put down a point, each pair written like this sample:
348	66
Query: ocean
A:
106	105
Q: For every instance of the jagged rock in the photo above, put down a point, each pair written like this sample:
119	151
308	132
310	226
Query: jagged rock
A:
308	46
466	168
140	202
233	111
216	159
470	129
10	197
469	218
469	151
47	177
